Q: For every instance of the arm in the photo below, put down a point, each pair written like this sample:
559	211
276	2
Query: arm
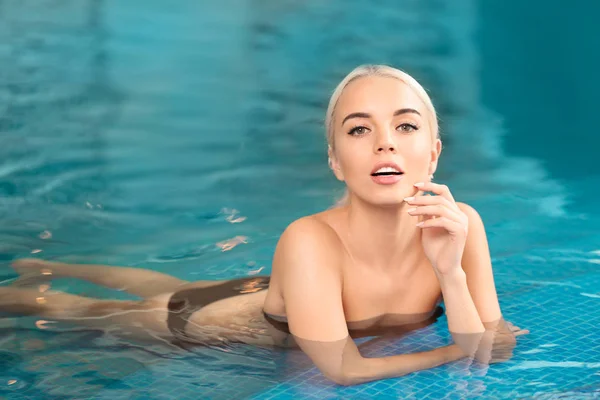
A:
498	340
454	240
308	257
477	266
474	316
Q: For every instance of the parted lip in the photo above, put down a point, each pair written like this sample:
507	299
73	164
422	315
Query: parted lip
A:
386	164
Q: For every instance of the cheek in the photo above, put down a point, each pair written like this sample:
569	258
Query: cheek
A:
417	154
351	165
351	158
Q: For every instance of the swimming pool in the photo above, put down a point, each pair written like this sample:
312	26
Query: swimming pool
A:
132	133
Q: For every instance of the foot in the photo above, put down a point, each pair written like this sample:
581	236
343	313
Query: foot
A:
33	271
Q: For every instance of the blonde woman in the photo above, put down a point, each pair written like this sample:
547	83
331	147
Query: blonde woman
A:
380	261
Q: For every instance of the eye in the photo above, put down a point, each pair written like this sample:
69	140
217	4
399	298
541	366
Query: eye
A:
358	130
406	127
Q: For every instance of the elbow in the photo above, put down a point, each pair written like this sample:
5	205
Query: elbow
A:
353	369
346	378
341	379
345	381
350	374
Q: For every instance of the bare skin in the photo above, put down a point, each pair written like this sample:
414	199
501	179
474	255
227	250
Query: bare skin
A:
28	295
144	319
362	267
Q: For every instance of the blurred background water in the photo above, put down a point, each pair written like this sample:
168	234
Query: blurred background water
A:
184	136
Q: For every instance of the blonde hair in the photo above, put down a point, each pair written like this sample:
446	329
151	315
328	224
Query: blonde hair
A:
383	71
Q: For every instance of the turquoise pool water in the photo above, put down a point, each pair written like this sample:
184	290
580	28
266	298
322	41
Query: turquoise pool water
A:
146	134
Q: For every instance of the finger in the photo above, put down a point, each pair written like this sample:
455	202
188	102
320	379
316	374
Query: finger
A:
511	327
522	332
514	328
426	200
443	222
436	211
441	190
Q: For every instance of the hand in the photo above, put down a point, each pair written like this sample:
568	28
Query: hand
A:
497	344
445	226
516	330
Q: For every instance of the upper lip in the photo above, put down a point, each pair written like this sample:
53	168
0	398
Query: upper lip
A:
386	164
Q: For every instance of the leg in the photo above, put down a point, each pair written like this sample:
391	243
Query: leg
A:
237	319
137	319
140	282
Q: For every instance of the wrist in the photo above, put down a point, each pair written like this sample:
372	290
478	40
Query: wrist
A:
455	275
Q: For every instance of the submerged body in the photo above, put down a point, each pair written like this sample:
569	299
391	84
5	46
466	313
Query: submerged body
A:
381	261
249	310
373	303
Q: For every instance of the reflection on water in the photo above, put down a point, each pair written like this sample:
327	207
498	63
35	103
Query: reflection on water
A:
185	138
88	363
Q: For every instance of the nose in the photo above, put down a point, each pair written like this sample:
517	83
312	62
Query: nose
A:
384	143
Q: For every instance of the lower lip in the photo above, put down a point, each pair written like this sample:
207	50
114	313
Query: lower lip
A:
386	179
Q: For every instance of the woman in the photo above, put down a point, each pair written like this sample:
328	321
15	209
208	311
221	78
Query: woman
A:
380	261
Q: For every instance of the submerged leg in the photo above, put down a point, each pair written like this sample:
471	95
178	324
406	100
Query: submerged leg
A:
236	319
137	281
143	319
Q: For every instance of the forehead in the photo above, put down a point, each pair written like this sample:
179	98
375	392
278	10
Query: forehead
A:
378	95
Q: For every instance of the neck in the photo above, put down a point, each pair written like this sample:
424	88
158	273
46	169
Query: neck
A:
382	237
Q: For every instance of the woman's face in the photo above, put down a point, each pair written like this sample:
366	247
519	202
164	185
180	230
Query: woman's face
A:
380	120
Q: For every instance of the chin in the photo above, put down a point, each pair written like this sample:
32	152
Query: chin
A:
384	195
388	203
392	198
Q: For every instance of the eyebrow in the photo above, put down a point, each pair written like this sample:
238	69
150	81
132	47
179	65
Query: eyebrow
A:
366	115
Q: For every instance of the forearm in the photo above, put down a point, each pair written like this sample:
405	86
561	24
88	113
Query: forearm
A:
463	319
370	369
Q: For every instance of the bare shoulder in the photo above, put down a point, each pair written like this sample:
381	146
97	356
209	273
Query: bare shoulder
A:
310	233
466	208
471	213
305	265
476	248
310	241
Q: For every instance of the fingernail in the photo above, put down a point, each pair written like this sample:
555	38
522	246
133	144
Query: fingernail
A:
419	184
411	209
409	199
420	223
